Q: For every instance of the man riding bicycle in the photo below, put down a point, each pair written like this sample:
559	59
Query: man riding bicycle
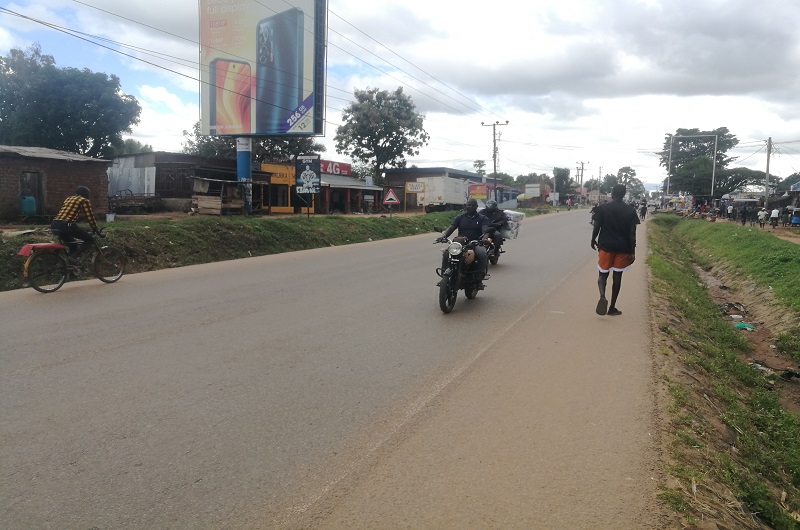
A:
65	225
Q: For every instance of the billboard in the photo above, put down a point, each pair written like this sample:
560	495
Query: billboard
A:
262	67
307	171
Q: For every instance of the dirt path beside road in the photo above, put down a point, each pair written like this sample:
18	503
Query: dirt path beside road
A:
554	426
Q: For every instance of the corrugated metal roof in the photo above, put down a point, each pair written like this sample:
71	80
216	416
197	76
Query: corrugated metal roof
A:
339	181
43	152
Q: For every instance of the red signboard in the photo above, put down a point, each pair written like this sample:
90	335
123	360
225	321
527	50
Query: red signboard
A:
335	168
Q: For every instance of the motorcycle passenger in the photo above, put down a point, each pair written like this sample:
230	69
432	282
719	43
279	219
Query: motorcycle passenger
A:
65	225
470	225
497	221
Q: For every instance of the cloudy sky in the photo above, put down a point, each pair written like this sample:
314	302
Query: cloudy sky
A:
595	81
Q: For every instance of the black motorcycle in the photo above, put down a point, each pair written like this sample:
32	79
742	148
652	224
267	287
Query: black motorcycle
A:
457	275
493	250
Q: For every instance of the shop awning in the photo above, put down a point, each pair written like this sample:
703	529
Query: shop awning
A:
339	181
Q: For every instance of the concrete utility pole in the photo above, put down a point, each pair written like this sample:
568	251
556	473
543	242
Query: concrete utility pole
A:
766	180
581	170
494	149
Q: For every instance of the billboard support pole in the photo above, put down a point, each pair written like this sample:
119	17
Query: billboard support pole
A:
244	171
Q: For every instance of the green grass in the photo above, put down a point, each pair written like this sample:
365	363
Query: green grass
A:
766	437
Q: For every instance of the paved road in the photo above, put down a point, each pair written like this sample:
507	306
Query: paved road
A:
325	389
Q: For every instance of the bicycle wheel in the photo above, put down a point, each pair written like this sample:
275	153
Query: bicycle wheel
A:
109	264
46	271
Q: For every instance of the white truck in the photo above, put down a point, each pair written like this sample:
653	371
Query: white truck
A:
442	193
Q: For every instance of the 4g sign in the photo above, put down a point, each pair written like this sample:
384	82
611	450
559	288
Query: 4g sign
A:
335	168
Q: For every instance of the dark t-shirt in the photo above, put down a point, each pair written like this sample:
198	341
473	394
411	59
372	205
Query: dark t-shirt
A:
617	221
470	227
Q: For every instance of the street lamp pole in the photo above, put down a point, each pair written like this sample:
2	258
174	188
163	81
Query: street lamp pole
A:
494	150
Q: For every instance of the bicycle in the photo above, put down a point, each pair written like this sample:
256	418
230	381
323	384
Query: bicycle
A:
47	267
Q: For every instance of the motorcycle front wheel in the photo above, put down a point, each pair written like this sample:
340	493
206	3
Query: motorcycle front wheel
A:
448	291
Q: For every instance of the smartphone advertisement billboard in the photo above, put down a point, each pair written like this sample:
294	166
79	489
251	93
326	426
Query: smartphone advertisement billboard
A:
262	67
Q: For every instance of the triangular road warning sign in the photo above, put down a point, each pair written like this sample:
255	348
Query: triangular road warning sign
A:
390	197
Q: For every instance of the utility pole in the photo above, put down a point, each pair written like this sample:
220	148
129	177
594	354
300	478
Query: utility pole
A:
494	149
766	180
581	170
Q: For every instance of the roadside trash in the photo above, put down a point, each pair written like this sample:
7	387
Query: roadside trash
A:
736	317
732	307
748	327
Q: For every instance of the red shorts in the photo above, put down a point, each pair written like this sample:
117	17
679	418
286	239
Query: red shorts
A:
610	261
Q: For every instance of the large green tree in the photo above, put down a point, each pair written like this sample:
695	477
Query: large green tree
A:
532	178
381	127
62	108
625	175
689	173
562	181
787	183
272	150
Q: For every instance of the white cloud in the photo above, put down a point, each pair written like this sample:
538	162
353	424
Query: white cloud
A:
601	81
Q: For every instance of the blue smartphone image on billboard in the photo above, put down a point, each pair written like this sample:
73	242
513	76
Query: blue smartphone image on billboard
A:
279	70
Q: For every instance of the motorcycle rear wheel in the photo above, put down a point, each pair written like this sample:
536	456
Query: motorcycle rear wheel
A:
471	292
448	292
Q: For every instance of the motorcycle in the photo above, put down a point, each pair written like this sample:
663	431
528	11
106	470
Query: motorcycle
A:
457	276
493	250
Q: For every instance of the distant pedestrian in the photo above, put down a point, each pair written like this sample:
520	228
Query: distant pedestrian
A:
753	216
743	214
614	238
785	216
762	217
730	212
773	217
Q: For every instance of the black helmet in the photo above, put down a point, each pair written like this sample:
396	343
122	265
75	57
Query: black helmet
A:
491	205
83	191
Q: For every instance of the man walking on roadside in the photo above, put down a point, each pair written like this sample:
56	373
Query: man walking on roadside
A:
614	238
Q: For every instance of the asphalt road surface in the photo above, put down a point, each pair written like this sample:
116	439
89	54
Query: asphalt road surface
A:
325	389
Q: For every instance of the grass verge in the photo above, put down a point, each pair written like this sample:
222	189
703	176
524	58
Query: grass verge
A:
728	427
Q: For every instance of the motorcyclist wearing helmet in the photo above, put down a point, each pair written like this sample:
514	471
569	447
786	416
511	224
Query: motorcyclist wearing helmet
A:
497	221
470	225
65	225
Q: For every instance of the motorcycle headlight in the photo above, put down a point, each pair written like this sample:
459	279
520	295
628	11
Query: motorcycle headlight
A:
455	249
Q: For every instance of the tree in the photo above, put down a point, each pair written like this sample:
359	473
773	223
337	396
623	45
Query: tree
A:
636	188
689	146
129	147
532	178
73	110
609	181
625	175
788	182
273	149
381	127
480	167
562	181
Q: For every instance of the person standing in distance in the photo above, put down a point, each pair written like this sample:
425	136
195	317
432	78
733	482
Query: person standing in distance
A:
614	238
65	222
